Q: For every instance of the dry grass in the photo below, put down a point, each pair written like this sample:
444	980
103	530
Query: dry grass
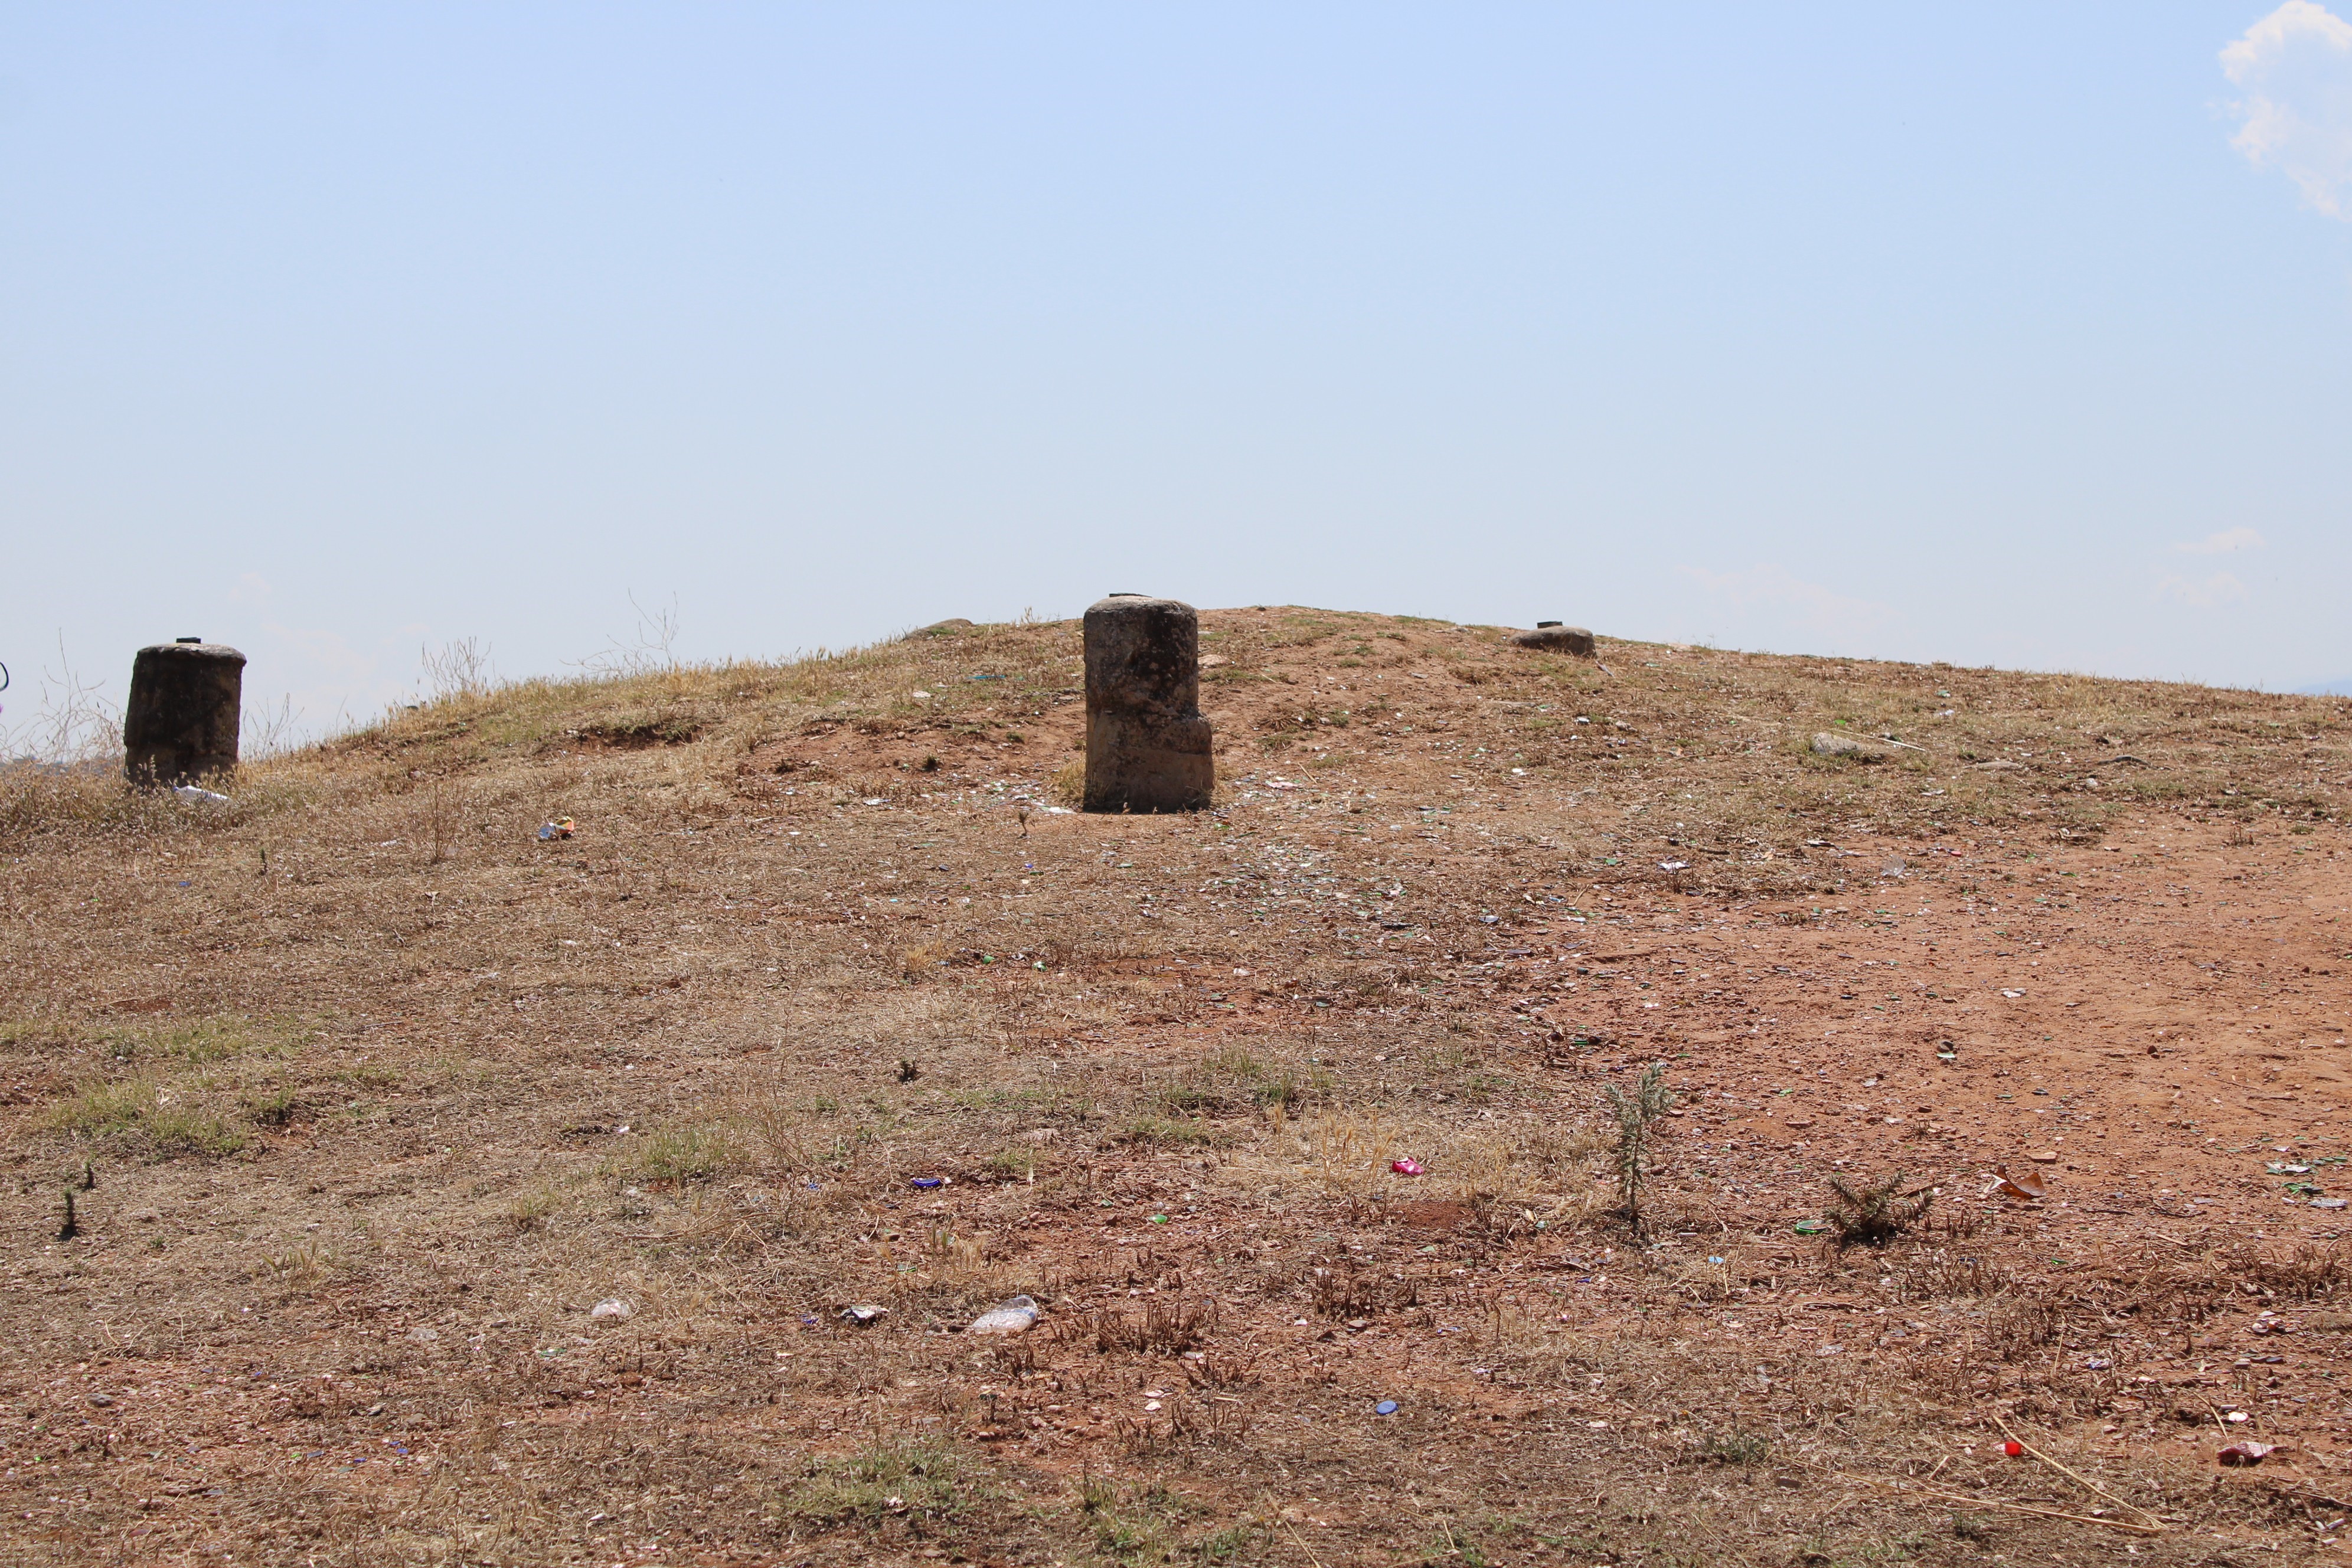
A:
351	1061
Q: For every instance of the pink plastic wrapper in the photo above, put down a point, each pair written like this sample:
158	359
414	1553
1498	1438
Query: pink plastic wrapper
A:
1407	1166
2247	1453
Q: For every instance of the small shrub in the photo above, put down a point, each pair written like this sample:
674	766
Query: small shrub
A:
697	1151
530	1210
1735	1448
1874	1215
1972	1528
272	1109
1636	1113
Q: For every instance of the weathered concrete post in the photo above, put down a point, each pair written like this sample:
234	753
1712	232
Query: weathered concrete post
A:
1553	636
1147	747
184	710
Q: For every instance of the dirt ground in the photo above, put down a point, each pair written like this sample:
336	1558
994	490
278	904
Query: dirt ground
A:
442	1193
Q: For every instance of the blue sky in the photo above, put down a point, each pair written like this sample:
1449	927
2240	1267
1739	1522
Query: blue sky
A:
1999	334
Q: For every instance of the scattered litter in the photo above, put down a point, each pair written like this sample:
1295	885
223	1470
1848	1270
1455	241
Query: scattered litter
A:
926	1183
1159	1219
195	796
2281	1168
2098	1363
2025	1185
103	1400
1017	1316
872	800
2013	1449
1715	1259
1674	864
2235	1417
1406	1166
2248	1453
2327	1203
2006	993
1385	1408
864	1312
612	1307
1810	1226
560	828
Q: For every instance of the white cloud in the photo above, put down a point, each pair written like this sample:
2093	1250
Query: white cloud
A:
2229	541
2294	67
1775	587
2202	592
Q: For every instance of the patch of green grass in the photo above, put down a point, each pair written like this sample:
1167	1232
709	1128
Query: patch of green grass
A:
690	1151
915	1480
1189	1100
1286	1091
529	1211
1012	1163
1234	1063
1735	1448
1158	1133
198	1041
142	1109
273	1110
1131	1528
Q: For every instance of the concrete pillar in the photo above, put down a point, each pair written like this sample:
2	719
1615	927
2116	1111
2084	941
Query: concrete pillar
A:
1147	747
185	710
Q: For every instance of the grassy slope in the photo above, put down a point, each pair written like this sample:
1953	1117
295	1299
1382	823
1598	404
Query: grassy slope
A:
359	1045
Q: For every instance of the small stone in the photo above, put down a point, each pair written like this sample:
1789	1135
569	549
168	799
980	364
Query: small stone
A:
864	1312
1827	745
101	1400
